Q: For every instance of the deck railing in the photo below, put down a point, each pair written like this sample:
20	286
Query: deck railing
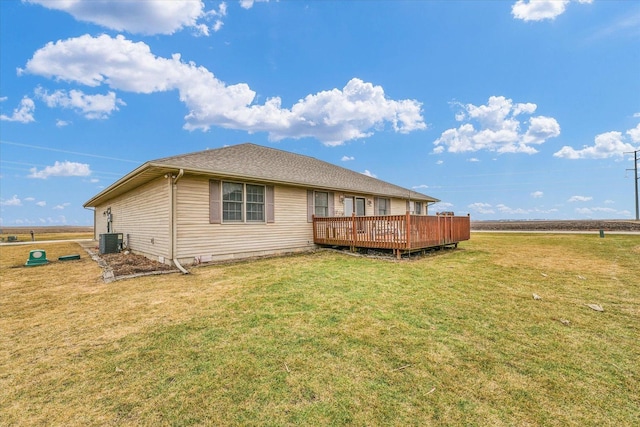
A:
399	232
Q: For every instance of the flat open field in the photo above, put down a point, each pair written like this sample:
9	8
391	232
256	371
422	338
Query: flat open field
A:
453	338
23	234
568	225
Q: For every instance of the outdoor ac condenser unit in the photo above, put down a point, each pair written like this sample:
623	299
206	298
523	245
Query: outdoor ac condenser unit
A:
110	243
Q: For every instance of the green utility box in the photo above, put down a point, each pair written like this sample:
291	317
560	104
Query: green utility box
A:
37	257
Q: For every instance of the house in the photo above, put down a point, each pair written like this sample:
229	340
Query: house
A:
239	201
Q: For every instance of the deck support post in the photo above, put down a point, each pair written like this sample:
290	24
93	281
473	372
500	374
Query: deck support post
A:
354	232
408	231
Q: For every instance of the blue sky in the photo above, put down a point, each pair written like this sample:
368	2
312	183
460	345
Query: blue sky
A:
501	109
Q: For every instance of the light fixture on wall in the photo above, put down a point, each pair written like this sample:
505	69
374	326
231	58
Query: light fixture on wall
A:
342	198
369	202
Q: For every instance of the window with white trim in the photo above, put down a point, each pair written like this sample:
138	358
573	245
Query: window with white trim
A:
255	203
232	201
384	206
243	201
321	203
418	208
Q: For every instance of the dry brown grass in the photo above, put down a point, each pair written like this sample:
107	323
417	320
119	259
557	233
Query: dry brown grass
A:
450	339
25	236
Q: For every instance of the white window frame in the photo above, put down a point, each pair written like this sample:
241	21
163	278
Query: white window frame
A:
325	213
244	204
387	206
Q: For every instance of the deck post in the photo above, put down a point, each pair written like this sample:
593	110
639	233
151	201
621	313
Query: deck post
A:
408	231
315	233
354	232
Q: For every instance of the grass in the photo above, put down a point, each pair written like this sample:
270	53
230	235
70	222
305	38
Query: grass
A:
329	339
25	236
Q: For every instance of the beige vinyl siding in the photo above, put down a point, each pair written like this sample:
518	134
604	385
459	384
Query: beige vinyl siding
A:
143	216
200	241
398	206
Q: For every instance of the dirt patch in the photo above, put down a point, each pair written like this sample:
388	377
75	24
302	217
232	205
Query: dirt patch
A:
568	225
123	264
127	263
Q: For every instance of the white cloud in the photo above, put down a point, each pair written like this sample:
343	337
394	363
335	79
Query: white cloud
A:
218	15
217	26
538	10
498	128
65	168
41	203
13	201
441	206
22	114
608	144
62	123
416	187
143	17
580	199
481	208
332	116
3	98
347	158
61	206
368	173
439	162
511	211
248	4
473	160
600	210
634	134
29	199
90	106
537	194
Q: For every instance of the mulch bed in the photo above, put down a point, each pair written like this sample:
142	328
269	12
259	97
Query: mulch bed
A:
127	263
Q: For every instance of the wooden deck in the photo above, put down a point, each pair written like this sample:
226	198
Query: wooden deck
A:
402	233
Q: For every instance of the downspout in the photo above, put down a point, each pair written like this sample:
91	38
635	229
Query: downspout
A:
174	222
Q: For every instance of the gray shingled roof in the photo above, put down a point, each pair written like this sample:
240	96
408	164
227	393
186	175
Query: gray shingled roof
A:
269	164
261	164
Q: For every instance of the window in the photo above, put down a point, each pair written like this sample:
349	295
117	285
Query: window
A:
418	208
384	206
321	204
232	198
255	203
240	202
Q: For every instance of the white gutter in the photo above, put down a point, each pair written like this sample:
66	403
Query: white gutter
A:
174	226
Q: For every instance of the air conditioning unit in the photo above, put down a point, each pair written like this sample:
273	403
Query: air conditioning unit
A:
110	243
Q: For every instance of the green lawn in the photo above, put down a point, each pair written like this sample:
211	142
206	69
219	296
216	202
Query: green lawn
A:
454	338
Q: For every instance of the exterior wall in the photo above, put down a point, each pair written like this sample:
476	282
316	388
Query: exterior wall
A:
200	241
143	216
398	206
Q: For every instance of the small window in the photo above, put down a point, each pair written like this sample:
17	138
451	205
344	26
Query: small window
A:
255	203
321	204
418	208
232	197
384	206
